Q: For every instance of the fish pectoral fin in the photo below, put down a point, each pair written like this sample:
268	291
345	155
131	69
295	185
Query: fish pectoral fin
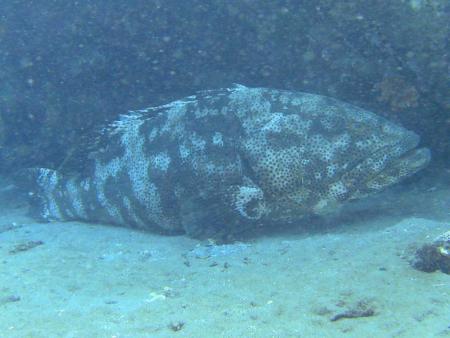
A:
248	201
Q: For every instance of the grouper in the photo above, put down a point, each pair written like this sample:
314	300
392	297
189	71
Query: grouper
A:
229	160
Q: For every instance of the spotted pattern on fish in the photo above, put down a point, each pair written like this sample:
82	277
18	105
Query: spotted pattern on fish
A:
226	160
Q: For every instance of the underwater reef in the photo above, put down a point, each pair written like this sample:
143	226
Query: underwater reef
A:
106	58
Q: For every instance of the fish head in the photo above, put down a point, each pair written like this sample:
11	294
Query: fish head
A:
312	153
392	155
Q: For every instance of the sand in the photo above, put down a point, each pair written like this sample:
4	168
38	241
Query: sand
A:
72	279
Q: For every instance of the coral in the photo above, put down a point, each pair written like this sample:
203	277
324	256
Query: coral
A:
434	256
397	93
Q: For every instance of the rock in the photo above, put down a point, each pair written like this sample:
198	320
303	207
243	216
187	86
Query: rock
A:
434	256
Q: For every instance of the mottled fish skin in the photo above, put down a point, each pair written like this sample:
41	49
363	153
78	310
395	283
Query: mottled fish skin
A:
226	160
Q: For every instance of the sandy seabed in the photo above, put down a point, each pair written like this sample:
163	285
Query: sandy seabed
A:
72	279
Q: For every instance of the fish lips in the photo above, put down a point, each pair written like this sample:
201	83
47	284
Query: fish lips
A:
404	166
404	159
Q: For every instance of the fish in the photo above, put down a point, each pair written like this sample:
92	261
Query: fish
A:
230	160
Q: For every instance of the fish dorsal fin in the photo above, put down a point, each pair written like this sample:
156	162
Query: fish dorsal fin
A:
238	86
133	117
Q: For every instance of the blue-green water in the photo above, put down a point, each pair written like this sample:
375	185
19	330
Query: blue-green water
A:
68	69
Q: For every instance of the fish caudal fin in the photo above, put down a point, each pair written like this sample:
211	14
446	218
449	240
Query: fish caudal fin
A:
45	191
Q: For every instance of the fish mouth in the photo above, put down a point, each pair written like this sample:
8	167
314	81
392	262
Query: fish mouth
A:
409	163
394	162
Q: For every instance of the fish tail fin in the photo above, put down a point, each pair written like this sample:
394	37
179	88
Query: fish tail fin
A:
41	186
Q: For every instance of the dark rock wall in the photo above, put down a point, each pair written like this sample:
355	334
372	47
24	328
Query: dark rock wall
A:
68	66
